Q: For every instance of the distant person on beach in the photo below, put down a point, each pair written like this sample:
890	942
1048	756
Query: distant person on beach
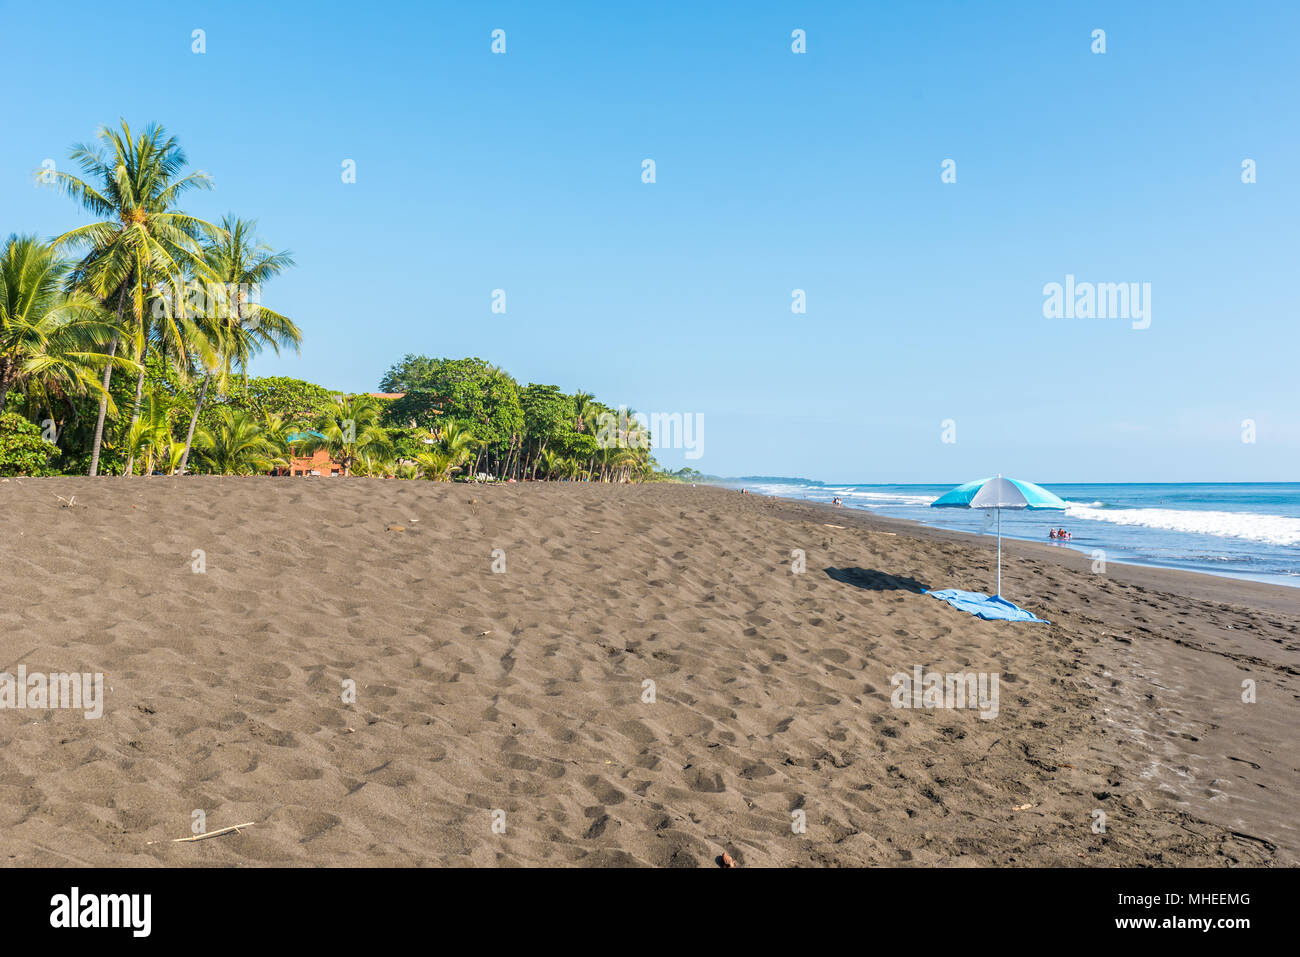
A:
836	501
1051	533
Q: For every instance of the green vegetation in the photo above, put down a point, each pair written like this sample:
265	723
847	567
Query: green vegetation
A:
517	432
173	303
23	451
236	445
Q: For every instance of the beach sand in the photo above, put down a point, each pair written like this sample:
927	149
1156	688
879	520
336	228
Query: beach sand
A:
522	691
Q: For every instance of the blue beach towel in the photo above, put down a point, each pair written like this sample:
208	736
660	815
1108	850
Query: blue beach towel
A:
985	606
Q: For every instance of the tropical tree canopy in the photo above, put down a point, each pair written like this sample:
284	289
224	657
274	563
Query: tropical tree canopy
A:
175	302
141	242
236	445
51	341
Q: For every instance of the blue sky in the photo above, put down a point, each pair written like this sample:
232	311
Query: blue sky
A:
775	171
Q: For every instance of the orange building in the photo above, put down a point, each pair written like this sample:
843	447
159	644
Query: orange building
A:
319	462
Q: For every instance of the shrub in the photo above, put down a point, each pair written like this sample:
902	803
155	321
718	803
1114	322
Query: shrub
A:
23	451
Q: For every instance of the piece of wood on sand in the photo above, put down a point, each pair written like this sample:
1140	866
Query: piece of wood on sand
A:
207	834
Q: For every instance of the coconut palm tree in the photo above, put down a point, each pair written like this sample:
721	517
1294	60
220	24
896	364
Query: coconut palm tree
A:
150	435
374	465
240	326
548	462
635	435
280	434
437	464
626	461
585	411
50	341
452	447
141	241
235	444
351	426
174	334
626	444
455	438
170	457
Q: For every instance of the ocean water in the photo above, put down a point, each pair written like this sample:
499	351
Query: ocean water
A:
1242	530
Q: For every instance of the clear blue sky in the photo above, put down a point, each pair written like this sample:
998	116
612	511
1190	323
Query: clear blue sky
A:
775	171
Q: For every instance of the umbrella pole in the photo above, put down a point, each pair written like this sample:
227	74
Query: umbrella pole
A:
999	591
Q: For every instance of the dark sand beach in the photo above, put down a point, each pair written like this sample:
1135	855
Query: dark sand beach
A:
522	691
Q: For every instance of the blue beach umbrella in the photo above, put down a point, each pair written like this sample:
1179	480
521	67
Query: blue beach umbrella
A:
999	493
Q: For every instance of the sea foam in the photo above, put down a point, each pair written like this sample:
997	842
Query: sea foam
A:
1252	526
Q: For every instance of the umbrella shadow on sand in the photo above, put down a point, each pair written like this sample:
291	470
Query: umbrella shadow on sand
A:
874	580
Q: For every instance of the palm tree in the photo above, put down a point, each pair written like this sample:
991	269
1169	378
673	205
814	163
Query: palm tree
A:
625	461
142	240
171	457
150	435
374	466
453	446
605	458
625	449
635	435
175	336
235	445
455	438
437	464
548	461
280	435
242	327
350	426
50	342
585	410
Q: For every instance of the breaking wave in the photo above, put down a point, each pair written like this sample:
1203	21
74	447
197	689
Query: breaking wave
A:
1252	526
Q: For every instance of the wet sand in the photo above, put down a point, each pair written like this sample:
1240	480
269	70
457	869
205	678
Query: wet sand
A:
518	698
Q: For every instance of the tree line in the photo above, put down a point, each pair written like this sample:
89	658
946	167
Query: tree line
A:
125	346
